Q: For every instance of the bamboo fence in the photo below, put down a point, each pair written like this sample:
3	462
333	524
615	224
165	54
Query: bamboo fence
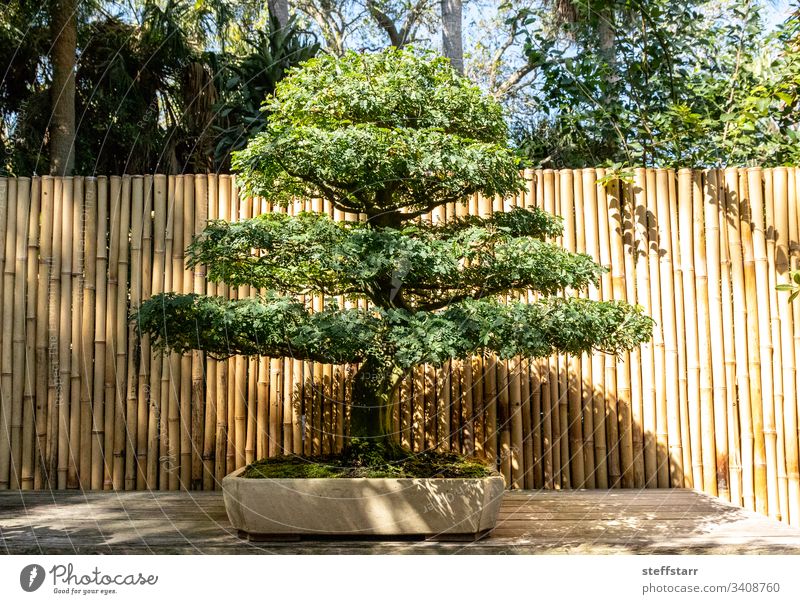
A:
709	403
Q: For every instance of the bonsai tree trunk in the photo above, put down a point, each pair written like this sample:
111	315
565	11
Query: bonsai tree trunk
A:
374	385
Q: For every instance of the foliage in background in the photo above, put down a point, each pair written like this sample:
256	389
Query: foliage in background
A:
174	90
689	84
176	85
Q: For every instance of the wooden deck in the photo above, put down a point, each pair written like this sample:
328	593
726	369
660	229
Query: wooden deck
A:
652	521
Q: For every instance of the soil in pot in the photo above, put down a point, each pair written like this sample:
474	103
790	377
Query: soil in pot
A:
362	459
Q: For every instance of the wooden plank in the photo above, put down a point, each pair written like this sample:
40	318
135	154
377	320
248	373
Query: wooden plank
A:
596	521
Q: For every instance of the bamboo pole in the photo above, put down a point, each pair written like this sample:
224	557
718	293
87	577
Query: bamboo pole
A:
173	414
608	364
275	385
533	375
706	424
476	376
76	302
644	278
687	200
575	453
517	469
726	295
125	345
240	369
560	390
714	199
489	378
754	335
212	367
221	446
54	348
155	414
531	403
683	468
19	264
582	367
756	208
133	381
252	377
230	214
740	326
42	307
788	373
656	252
616	231
65	332
429	380
490	432
537	438
629	215
777	352
199	416
326	426
595	379
110	330
669	410
478	405
87	321
98	385
164	459
185	411
29	453
8	203
793	195
262	419
444	402
144	391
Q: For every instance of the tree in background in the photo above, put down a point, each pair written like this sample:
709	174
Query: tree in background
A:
391	135
171	85
651	83
279	10
452	38
64	34
174	89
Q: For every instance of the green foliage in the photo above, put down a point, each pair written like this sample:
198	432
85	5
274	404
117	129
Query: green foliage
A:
659	83
243	81
375	133
423	266
157	95
793	286
280	326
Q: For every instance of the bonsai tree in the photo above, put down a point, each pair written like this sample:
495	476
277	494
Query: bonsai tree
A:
390	136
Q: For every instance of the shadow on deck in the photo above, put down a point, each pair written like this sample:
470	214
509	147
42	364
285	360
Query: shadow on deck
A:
652	521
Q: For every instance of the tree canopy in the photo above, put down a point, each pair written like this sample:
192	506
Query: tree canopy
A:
390	134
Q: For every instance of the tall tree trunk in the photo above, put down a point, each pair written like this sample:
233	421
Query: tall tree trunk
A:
374	385
63	28
280	10
452	43
607	47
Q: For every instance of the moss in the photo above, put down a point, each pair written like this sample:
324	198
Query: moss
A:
367	460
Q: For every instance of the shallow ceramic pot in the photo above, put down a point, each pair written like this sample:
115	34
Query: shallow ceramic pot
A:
264	509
